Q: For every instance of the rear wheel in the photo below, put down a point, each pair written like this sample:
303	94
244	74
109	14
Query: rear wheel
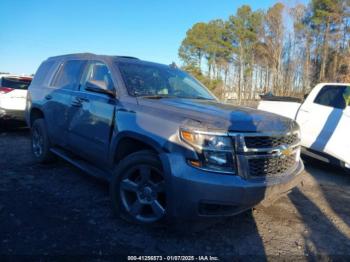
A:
138	189
40	142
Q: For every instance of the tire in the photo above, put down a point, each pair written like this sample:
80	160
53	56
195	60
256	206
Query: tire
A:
40	142
137	189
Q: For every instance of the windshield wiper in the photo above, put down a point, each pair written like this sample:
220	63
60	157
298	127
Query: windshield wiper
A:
196	97
156	96
202	98
170	96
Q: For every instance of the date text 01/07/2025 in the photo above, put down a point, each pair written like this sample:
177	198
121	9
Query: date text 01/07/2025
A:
173	258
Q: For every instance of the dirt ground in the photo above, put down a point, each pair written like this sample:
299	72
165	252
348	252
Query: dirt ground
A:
58	210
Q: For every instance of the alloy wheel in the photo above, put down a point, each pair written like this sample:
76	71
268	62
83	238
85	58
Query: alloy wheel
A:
142	192
37	142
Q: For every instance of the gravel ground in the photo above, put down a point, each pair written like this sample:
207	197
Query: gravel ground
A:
58	210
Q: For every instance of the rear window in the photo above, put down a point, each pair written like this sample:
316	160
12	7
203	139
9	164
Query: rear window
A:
15	83
332	96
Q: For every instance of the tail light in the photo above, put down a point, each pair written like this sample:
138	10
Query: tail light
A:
5	90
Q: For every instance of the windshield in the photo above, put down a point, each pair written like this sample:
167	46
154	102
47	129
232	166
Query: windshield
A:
15	83
161	81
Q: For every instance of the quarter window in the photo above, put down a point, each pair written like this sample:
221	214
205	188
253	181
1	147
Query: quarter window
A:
68	74
42	73
332	96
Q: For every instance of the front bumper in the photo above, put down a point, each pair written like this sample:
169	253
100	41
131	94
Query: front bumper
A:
194	193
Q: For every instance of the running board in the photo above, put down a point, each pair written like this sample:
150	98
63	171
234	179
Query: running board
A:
81	164
320	156
314	155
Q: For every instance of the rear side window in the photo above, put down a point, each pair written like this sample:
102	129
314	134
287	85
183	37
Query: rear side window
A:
332	96
16	83
42	73
68	74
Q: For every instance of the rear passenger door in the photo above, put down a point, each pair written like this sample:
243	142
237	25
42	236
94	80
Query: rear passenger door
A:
58	99
91	115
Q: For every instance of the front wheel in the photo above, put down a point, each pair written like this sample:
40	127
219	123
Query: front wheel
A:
138	189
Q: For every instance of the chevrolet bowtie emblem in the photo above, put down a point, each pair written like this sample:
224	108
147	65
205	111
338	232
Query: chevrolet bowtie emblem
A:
287	152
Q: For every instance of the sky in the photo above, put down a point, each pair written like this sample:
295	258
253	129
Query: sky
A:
32	30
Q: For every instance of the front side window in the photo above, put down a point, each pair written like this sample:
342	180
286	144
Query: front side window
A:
158	80
98	74
334	96
68	74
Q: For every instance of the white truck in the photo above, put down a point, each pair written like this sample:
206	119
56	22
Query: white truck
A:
13	95
324	119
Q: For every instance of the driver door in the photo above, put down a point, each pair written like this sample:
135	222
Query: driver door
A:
91	116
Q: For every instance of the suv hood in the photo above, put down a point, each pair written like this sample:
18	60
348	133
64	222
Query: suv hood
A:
213	115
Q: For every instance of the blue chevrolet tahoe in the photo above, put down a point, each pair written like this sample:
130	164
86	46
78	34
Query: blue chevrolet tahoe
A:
167	146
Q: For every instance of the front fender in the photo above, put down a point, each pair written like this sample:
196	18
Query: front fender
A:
156	144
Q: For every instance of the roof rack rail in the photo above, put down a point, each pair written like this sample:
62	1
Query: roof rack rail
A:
128	57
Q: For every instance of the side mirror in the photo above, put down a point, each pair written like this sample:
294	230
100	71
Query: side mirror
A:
99	87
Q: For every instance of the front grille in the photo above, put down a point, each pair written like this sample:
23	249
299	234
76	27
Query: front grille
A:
268	141
270	167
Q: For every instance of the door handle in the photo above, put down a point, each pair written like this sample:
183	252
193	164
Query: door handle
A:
48	97
78	101
304	110
83	99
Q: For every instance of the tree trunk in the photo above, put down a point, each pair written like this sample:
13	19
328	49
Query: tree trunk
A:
209	70
306	75
324	52
241	72
267	80
200	60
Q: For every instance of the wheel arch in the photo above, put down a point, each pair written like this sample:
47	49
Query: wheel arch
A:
35	113
127	143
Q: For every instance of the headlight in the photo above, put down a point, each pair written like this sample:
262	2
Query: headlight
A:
215	152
